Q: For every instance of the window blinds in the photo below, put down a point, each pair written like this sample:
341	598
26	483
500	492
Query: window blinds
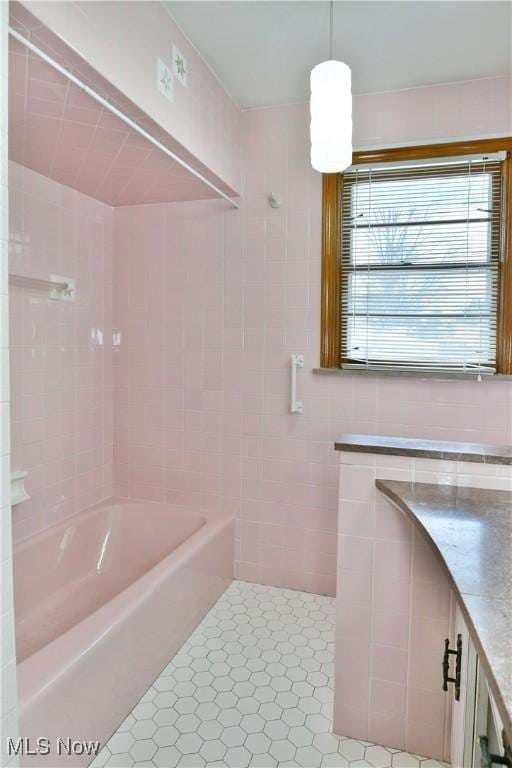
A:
420	253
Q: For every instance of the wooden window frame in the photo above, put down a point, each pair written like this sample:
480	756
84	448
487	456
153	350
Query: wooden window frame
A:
332	187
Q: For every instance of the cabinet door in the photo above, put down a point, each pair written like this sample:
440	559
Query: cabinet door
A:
463	711
487	722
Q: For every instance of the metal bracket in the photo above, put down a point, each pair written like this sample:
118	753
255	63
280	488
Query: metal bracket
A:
458	666
487	759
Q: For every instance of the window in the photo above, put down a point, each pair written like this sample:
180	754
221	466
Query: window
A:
414	269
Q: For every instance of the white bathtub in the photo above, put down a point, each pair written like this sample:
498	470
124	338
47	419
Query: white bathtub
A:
102	602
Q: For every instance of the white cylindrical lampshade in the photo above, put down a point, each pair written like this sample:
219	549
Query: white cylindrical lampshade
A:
331	117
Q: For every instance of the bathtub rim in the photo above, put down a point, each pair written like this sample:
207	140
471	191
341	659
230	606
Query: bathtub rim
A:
40	670
24	543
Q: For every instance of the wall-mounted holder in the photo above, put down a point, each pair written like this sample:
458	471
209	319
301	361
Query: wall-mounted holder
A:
446	666
296	361
275	200
64	289
18	492
59	288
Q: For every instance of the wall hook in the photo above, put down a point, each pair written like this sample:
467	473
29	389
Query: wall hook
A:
275	200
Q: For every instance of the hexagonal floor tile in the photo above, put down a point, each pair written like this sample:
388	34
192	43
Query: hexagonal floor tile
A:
207	711
210	730
404	760
257	743
351	749
189	743
121	760
143	729
276	729
186	705
270	711
187	723
293	717
300	736
167	757
282	750
237	757
263	760
252	723
250	688
213	750
308	757
144	749
326	743
166	736
233	736
378	757
121	742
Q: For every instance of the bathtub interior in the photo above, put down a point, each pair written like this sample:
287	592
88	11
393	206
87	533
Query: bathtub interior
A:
72	569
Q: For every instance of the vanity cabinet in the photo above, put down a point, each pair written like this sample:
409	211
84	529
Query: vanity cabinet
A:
477	730
413	544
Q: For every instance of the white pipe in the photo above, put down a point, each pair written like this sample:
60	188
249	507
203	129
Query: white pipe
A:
107	105
296	361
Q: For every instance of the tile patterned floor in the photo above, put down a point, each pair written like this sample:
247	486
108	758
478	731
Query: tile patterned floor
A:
252	686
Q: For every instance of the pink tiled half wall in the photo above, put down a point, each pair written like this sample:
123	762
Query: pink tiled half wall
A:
395	606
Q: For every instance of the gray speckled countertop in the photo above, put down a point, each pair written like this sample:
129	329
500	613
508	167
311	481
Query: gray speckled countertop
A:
471	529
426	449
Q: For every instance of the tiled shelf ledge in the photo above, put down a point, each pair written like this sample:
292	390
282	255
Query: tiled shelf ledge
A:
496	378
481	453
478	567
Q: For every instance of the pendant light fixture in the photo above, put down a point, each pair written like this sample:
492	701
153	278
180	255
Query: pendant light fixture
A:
331	113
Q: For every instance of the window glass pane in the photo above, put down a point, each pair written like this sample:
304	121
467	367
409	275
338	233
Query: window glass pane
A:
419	260
421	199
420	292
448	341
421	244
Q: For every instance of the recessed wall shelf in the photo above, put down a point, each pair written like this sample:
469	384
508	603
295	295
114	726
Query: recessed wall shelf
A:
18	492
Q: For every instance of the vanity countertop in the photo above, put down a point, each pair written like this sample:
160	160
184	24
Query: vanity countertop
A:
426	449
471	531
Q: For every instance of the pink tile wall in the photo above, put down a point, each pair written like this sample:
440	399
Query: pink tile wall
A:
278	312
395	606
435	113
200	413
62	133
122	41
8	685
210	303
394	603
61	359
176	426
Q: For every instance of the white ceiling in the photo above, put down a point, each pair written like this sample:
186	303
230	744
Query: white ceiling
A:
263	50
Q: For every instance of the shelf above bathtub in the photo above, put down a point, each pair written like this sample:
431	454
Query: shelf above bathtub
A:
18	492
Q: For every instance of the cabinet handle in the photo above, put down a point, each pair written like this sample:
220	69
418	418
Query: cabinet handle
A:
458	665
487	760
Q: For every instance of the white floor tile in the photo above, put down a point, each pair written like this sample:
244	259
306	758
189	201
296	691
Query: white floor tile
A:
251	688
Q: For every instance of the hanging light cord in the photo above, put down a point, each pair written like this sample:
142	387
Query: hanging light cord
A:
331	29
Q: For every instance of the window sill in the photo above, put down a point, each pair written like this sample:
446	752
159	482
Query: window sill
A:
496	377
